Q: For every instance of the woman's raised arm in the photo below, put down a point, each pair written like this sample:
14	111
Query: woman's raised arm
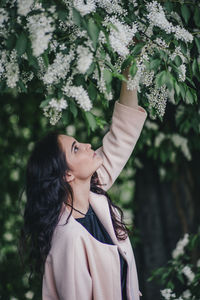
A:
126	125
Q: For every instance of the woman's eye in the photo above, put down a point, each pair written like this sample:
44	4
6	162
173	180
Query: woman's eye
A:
75	148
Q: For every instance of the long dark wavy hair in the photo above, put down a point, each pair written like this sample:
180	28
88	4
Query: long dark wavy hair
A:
46	191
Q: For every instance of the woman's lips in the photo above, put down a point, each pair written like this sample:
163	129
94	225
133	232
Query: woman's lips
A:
94	154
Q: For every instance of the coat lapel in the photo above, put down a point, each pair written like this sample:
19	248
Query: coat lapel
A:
100	206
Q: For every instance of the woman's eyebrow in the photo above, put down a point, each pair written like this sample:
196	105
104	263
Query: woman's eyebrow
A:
74	142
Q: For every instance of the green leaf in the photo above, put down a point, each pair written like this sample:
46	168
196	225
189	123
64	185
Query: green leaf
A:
197	16
92	91
154	64
44	103
91	69
195	68
182	90
189	97
127	62
197	42
91	120
160	78
137	49
168	6
166	78
10	42
107	76
73	108
177	88
76	16
93	32
21	44
45	59
178	60
22	86
133	69
185	12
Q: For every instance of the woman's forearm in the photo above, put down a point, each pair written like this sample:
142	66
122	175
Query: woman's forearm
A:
128	97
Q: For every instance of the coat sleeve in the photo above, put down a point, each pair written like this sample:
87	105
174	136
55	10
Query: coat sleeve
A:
67	276
119	142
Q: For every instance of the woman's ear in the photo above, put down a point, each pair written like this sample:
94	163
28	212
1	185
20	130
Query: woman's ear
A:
69	176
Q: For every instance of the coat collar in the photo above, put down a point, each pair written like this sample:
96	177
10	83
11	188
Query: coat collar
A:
100	206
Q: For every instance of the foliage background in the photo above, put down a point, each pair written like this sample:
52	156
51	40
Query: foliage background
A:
167	208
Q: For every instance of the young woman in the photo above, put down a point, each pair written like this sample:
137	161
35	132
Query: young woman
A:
77	236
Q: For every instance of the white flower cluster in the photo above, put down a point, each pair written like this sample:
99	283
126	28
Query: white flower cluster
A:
188	273
41	29
101	82
85	6
24	6
112	7
147	78
178	52
84	59
168	294
187	295
12	70
182	74
182	143
3	17
59	68
79	94
158	99
120	35
141	76
54	109
179	250
156	17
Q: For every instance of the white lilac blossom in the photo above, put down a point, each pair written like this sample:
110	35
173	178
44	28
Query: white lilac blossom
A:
161	42
182	34
157	99
24	6
3	61
188	273
182	72
59	68
179	250
178	52
12	70
134	83
41	29
159	138
147	78
112	7
151	125
29	295
198	263
182	143
3	17
84	6
156	17
84	59
187	295
101	84
168	294
53	110
79	94
120	35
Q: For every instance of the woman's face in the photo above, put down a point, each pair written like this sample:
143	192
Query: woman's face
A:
80	158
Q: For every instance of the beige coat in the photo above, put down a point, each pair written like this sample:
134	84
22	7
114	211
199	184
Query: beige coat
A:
78	266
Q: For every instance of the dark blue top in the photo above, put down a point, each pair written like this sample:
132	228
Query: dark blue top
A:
97	230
